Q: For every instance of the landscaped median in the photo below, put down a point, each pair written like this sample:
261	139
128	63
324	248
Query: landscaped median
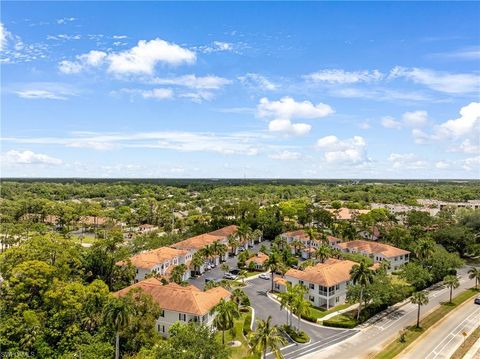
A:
410	334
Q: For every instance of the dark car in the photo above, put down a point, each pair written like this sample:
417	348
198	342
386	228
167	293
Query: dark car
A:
477	300
235	271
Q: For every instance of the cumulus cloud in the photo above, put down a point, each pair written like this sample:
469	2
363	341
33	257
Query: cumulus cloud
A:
390	122
339	76
287	107
158	94
257	81
286	126
415	118
192	81
285	155
406	161
439	81
4	35
471	164
140	59
349	150
466	127
14	157
45	90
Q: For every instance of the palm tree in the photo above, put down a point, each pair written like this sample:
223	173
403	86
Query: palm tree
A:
296	244
312	236
198	259
424	249
239	297
233	242
257	234
420	298
242	274
226	312
474	273
244	232
361	274
266	336
451	281
300	305
323	252
117	313
286	300
178	272
208	252
224	267
273	264
336	253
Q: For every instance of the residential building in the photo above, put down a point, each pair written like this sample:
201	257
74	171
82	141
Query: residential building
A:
159	261
347	214
258	261
308	246
326	282
178	303
377	252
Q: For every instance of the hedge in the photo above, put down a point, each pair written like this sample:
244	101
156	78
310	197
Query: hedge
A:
246	324
301	337
340	321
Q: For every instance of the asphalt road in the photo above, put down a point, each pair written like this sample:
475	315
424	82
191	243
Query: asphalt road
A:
321	337
382	329
442	340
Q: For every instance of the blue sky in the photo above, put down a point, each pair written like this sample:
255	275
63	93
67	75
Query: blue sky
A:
287	90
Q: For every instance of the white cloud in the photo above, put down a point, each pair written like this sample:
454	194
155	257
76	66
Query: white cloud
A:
379	94
202	82
4	36
439	81
45	90
287	108
472	163
468	146
468	53
218	46
158	94
257	81
286	126
415	119
285	155
338	76
390	122
65	20
350	150
40	94
140	59
364	125
442	165
119	37
406	161
466	127
14	157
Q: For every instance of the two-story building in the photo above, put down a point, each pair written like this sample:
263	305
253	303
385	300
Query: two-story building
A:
309	246
258	261
326	282
159	261
178	303
377	252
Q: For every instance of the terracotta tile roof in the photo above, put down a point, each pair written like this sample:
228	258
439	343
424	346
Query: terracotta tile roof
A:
200	241
373	248
299	234
280	280
346	213
260	258
149	259
176	298
332	272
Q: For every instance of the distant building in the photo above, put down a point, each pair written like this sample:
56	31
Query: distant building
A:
432	203
347	214
178	303
377	252
258	260
309	246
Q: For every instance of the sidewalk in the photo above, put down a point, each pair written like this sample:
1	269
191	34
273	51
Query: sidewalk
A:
474	351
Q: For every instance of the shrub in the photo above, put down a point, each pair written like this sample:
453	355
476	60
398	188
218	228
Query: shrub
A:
340	321
301	337
309	317
246	324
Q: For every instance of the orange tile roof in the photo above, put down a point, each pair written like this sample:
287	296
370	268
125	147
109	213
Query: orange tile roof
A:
347	213
260	258
332	272
151	258
202	240
280	280
176	298
299	233
373	248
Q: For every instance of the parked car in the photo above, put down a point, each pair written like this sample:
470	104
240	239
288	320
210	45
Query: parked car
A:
241	249
264	276
230	276
477	300
235	271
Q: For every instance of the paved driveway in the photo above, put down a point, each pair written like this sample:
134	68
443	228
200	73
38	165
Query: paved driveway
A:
217	273
321	337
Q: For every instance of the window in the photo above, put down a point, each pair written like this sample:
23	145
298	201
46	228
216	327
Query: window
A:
311	298
182	317
163	328
337	287
301	282
337	299
158	327
162	313
312	286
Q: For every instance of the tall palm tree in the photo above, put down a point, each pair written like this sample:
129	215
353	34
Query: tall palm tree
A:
312	236
273	264
420	298
296	244
244	232
452	282
266	336
222	249
233	242
323	252
300	305
361	274
177	273
198	259
208	252
286	300
226	312
474	273
424	249
117	313
257	234
239	297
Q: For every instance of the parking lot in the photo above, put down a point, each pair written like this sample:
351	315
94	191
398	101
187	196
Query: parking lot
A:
217	274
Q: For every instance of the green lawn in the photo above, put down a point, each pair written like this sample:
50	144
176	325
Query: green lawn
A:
412	333
240	352
319	313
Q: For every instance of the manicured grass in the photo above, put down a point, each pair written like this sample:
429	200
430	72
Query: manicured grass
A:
412	333
465	347
318	313
242	351
340	321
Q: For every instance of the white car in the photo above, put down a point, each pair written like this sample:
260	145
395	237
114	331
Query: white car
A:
264	276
